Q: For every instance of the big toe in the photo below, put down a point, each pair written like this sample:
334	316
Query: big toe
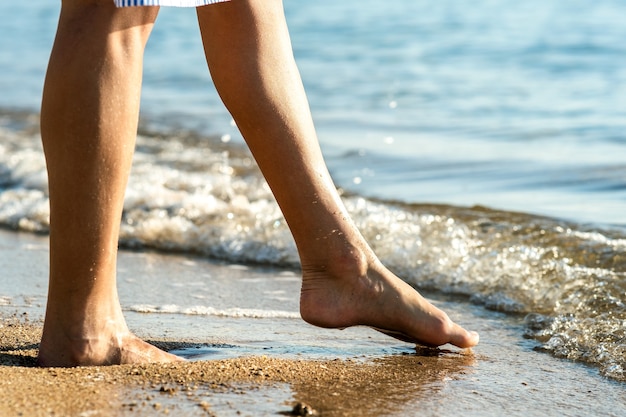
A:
463	338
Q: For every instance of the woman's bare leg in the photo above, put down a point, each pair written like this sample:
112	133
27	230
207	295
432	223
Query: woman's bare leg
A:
249	54
88	126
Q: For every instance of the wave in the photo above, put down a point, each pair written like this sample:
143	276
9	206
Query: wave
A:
202	196
211	311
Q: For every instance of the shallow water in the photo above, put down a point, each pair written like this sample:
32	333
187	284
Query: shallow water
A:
428	113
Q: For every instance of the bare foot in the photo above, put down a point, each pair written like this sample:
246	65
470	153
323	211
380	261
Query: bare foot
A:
356	291
58	350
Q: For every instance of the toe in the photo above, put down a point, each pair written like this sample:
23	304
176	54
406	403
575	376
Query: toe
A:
463	338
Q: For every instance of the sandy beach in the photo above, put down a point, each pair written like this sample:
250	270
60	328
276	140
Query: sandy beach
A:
281	366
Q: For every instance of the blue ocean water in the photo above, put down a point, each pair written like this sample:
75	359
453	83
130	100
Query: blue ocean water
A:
480	146
513	105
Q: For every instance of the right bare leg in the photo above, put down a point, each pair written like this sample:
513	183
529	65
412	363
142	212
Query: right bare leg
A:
88	125
344	284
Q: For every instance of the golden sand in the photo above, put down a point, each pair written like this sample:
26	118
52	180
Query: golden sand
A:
354	387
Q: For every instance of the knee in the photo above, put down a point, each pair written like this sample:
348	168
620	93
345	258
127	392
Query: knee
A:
101	19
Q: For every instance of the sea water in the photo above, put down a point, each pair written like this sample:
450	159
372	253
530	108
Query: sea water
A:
479	148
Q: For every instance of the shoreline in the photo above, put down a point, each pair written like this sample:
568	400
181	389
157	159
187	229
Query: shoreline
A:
253	366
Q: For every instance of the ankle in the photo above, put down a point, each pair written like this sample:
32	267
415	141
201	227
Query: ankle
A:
342	261
60	347
68	340
75	352
329	283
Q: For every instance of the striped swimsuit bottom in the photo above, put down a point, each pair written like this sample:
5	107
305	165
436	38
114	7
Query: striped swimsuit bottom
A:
175	3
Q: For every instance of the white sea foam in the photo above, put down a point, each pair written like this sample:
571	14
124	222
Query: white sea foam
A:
211	311
599	238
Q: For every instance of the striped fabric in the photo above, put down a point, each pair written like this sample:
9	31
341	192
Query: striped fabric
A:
175	3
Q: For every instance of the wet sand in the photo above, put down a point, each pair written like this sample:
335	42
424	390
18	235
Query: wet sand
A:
279	366
331	387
